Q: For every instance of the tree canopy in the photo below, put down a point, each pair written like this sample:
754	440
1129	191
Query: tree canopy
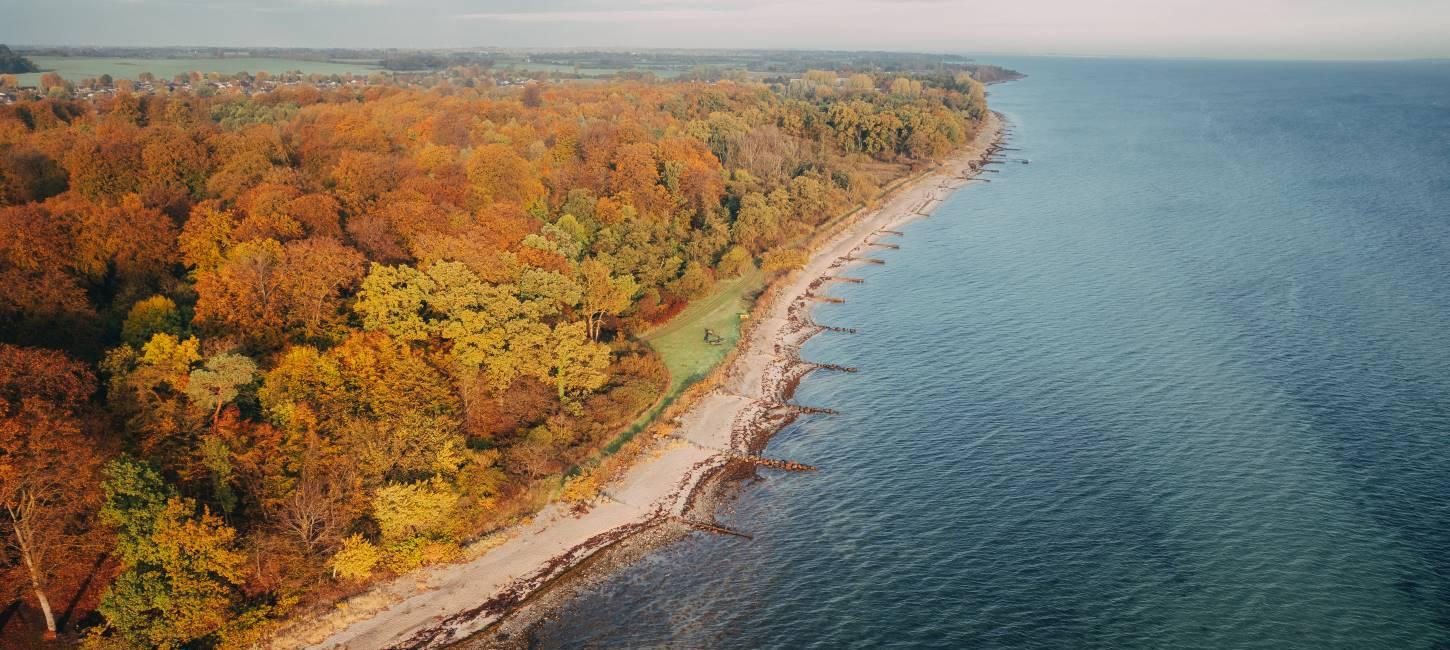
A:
12	63
256	350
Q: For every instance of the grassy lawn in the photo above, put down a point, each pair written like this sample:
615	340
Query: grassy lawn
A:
681	344
681	341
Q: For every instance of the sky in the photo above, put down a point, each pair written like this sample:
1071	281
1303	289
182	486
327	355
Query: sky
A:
1294	29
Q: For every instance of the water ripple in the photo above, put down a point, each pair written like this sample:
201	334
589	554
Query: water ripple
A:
1181	382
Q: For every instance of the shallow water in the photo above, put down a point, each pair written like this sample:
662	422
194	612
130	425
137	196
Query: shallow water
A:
1183	381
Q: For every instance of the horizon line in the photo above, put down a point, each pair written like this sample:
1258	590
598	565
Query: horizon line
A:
624	48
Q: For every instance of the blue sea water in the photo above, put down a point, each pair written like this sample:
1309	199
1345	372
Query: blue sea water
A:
1181	382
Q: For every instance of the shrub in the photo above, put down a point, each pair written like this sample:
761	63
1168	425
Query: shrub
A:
787	259
356	559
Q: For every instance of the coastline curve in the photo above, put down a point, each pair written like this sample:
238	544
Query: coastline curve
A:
668	491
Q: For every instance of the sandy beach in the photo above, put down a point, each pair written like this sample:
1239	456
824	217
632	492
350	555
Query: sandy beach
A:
445	604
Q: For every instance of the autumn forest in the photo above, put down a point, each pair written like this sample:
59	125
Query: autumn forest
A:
261	349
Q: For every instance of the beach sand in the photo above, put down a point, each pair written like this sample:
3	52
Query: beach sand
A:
448	603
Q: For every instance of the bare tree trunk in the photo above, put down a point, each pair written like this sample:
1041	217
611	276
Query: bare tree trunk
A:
50	632
25	551
595	322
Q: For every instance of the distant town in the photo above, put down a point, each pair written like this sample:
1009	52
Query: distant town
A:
73	72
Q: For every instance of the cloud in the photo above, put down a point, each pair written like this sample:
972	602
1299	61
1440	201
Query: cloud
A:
616	16
598	11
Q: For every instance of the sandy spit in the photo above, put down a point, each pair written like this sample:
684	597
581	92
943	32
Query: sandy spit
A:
446	604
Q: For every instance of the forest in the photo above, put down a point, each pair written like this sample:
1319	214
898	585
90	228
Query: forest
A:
11	62
259	351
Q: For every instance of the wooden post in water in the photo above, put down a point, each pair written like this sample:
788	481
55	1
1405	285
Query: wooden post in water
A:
834	366
787	465
713	528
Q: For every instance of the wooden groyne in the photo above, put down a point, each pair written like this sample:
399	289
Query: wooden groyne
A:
840	330
830	299
892	232
868	260
787	465
884	245
841	278
833	366
711	528
813	410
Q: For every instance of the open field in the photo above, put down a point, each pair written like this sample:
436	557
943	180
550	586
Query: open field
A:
76	68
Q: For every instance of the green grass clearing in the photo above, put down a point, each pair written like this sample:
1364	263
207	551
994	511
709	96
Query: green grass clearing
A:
681	344
681	341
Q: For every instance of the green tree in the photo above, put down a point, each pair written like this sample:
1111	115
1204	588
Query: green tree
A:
11	62
135	496
757	226
180	569
216	383
183	584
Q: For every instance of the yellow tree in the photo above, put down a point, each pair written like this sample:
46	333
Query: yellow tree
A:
604	294
146	389
497	173
489	328
372	404
207	237
181	568
361	178
576	364
758	225
146	318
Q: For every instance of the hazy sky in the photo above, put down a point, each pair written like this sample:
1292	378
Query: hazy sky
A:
1216	28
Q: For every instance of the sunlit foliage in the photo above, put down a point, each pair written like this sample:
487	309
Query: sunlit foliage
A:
324	336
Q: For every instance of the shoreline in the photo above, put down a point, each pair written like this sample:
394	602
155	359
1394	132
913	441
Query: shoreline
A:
505	588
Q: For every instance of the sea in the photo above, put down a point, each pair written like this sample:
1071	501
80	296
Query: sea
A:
1178	376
